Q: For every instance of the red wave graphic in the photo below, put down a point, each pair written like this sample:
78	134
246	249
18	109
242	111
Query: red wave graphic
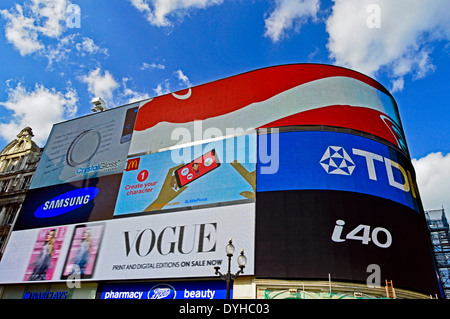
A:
233	93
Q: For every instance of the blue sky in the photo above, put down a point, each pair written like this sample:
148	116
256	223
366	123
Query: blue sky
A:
58	54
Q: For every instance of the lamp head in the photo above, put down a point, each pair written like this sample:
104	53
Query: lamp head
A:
242	260
229	248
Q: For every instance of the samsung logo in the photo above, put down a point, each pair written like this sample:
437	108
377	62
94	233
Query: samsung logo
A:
66	202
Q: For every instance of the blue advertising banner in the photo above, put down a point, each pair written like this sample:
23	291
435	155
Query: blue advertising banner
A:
339	161
203	174
170	290
74	202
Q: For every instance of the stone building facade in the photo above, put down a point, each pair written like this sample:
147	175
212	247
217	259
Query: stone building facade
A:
18	162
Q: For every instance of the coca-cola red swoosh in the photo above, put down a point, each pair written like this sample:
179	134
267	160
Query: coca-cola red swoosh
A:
274	96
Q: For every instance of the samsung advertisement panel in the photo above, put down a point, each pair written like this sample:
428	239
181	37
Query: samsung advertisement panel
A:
87	147
151	246
276	96
212	173
75	202
339	161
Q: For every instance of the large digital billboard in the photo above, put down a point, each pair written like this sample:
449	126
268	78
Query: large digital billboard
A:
217	172
91	146
155	189
175	245
75	202
322	234
340	161
300	94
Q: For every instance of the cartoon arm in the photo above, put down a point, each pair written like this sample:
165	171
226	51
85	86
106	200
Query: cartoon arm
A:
249	177
168	192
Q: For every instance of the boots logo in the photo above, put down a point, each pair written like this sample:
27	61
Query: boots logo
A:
335	160
162	291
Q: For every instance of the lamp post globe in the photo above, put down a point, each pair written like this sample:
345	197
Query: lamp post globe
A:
230	248
229	277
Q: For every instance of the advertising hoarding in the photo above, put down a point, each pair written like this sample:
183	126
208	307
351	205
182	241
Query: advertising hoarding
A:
151	246
166	290
91	146
211	173
323	182
45	254
340	161
75	202
270	97
314	234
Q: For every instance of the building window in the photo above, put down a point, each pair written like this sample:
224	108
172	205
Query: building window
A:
2	243
13	165
11	215
4	186
26	181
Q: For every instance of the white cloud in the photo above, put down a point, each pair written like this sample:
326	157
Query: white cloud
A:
101	85
147	66
433	179
131	95
156	11
39	109
162	88
50	16
402	44
28	23
397	85
38	27
70	46
87	45
182	78
289	14
21	31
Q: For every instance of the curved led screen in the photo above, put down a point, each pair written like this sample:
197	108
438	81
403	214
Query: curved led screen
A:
322	234
338	161
298	94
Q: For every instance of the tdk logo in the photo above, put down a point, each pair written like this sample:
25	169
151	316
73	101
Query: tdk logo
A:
336	160
66	202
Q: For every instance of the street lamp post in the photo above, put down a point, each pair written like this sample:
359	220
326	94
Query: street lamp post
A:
229	277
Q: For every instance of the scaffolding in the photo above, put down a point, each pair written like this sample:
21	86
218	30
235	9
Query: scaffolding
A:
440	237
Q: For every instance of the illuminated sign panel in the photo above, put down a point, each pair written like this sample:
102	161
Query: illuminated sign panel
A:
75	202
150	246
87	147
312	234
158	189
166	290
286	95
339	161
205	174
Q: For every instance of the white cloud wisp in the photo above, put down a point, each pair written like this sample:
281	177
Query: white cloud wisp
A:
289	14
157	11
39	109
433	179
402	41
